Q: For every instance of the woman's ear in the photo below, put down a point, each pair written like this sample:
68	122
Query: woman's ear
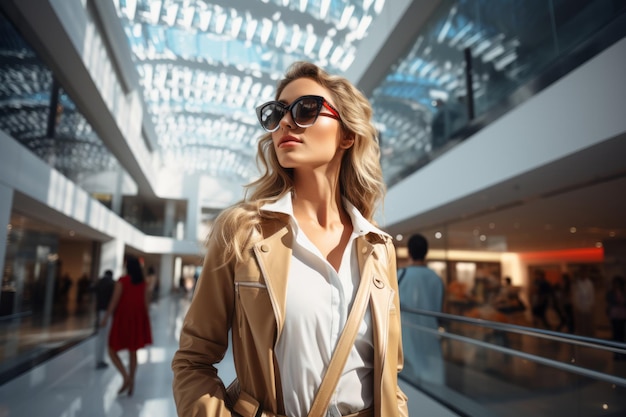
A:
347	141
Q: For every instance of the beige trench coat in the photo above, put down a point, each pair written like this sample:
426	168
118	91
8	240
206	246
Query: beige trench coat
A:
249	298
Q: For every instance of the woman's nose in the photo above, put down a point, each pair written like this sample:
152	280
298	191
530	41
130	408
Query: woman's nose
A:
286	121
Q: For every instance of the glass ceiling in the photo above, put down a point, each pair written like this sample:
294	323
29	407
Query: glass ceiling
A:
205	65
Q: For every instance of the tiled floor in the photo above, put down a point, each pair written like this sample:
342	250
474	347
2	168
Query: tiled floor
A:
70	386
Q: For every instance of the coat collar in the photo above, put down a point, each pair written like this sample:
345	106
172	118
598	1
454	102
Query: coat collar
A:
360	224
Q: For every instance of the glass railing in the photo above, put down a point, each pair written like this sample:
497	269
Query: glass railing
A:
506	51
481	368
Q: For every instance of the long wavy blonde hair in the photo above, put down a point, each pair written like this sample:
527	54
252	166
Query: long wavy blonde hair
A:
360	177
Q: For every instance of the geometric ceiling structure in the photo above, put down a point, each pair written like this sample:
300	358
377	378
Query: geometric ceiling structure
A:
422	102
430	79
205	65
37	112
516	49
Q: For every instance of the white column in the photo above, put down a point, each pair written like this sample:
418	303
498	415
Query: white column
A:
169	218
166	274
6	203
112	257
193	207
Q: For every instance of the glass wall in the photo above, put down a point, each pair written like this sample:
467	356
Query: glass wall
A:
507	50
46	301
45	298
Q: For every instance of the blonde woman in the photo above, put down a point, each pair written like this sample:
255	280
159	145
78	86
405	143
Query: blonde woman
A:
283	267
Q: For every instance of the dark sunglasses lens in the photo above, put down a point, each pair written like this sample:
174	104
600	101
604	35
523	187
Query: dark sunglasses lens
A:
305	111
271	115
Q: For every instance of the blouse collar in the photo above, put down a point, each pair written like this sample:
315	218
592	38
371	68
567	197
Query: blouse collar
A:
360	224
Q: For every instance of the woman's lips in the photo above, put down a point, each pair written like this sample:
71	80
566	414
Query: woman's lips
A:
288	141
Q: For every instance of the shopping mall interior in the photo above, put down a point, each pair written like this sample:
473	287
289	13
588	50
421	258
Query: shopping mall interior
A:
127	126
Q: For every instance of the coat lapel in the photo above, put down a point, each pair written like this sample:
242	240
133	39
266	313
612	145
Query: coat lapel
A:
274	257
372	265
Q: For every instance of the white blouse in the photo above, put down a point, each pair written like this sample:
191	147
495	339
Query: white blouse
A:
318	302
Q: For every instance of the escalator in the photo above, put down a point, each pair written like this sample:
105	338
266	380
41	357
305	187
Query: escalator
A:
482	368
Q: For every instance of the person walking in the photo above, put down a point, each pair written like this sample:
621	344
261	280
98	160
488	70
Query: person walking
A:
541	297
130	329
152	282
421	288
583	303
283	266
564	298
104	291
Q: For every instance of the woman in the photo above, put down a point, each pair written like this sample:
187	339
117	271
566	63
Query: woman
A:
130	329
283	266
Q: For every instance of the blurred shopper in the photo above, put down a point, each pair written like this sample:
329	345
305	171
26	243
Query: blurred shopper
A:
509	303
541	295
616	310
283	268
563	292
152	282
104	291
182	285
131	324
583	300
420	288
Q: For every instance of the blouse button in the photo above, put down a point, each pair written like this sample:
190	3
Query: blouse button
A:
379	283
265	248
364	250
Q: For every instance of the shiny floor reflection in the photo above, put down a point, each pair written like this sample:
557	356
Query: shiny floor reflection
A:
70	386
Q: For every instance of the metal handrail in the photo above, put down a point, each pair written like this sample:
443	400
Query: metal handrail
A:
583	341
529	356
600	376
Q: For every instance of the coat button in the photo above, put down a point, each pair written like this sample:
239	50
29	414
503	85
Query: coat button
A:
364	250
379	283
265	248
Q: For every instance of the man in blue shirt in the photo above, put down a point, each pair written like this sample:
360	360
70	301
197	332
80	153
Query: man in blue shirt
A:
422	289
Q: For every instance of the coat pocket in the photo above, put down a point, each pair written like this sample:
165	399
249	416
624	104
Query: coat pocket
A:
253	308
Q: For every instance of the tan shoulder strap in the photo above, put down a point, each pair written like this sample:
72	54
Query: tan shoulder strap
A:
342	350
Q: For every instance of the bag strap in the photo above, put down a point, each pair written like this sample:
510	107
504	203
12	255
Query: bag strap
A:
342	350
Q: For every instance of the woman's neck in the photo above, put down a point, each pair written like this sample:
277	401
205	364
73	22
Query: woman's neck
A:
318	202
324	212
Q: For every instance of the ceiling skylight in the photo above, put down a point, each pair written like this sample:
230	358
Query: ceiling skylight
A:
205	66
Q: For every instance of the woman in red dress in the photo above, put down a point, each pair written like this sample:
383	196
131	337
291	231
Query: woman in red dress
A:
131	323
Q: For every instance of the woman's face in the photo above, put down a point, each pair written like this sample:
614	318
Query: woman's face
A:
311	147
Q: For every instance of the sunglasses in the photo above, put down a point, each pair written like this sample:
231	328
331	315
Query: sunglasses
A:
304	112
